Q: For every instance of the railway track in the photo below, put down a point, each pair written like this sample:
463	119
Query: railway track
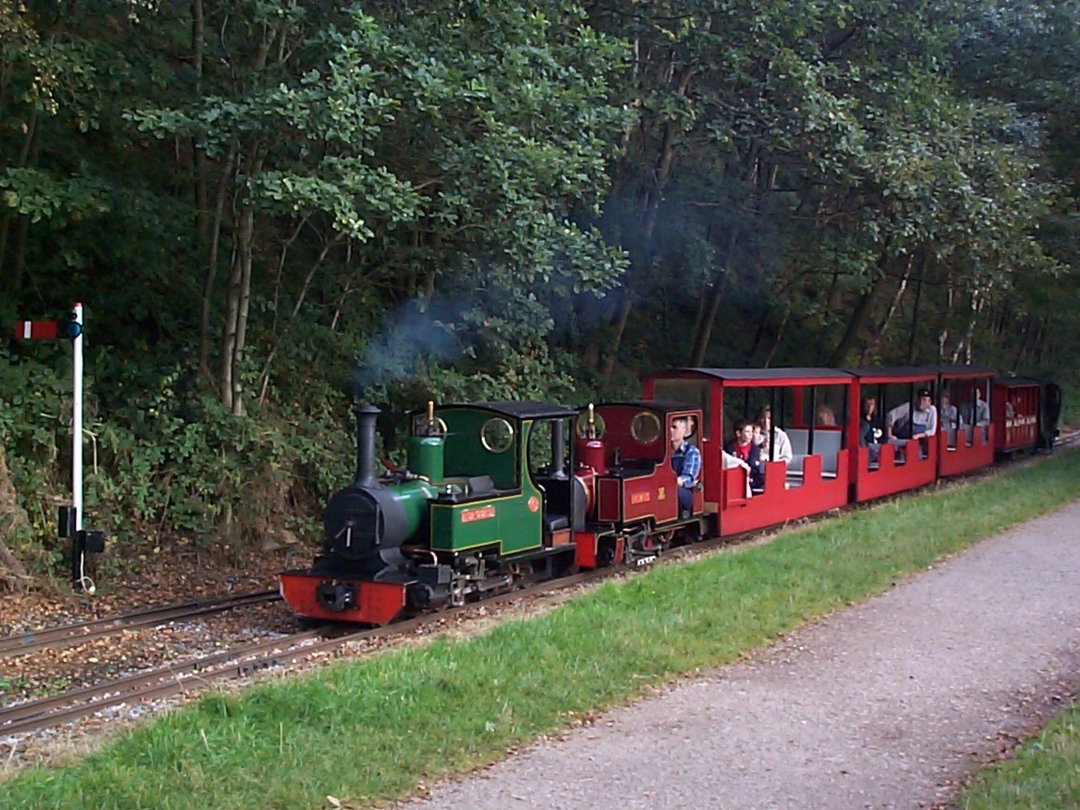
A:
67	635
198	673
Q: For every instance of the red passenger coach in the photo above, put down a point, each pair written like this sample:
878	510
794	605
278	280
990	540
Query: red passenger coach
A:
1015	409
808	405
890	465
965	432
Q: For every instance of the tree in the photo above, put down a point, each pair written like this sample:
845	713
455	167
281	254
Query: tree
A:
408	148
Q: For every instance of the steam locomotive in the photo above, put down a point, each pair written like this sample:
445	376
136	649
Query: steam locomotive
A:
496	495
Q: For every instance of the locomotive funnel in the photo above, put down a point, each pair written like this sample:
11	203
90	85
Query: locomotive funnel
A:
365	446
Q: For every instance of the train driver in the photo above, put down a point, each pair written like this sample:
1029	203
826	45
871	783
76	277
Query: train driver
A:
685	461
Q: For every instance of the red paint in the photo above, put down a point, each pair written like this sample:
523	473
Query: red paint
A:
480	513
891	477
964	457
376	602
585	550
778	504
1015	408
36	330
608	499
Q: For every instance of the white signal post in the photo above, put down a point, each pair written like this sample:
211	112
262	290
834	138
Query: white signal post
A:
82	541
77	418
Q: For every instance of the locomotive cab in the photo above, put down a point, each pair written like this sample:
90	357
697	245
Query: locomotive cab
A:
625	466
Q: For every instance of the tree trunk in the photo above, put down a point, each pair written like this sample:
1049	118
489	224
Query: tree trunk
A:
1044	352
238	300
264	375
1023	344
779	334
913	336
203	224
901	288
649	211
212	260
704	334
236	309
970	333
859	317
619	327
202	185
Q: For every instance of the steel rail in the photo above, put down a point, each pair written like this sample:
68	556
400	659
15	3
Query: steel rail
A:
195	674
67	635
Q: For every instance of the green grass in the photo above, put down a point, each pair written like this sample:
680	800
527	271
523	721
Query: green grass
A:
1043	774
369	731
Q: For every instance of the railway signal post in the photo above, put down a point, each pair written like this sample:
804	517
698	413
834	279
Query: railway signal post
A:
70	522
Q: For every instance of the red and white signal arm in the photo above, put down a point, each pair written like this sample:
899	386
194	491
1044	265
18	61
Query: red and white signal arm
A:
36	330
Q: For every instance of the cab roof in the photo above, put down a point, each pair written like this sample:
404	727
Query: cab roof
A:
664	406
512	409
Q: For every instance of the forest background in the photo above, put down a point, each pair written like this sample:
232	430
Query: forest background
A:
264	203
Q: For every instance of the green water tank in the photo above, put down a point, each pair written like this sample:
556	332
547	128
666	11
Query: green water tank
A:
426	457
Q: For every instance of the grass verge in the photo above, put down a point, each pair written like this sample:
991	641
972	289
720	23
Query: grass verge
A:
1042	774
369	731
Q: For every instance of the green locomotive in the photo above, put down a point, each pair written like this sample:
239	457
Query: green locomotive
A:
487	501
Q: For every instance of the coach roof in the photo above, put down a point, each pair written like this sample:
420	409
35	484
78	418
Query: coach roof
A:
746	377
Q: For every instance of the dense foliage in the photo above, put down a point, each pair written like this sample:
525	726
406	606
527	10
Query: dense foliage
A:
265	204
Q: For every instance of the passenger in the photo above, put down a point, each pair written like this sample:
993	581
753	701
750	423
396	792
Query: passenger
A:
686	462
977	414
870	431
825	416
950	420
950	417
759	457
774	439
743	448
903	423
742	442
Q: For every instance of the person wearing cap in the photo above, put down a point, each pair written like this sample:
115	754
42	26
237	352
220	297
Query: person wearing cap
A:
904	423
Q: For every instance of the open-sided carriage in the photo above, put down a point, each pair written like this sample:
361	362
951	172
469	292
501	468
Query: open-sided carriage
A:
800	400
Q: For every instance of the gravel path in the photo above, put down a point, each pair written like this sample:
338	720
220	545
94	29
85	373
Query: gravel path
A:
886	704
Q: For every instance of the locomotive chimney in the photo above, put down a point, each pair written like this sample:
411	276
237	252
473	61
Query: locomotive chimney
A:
365	445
